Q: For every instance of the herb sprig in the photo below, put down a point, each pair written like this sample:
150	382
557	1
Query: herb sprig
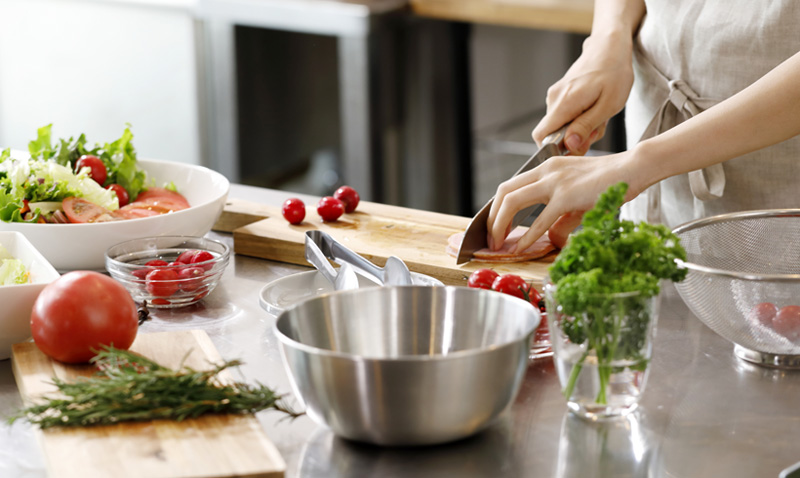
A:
602	262
129	387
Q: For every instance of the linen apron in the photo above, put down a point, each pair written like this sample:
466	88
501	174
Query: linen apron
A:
688	56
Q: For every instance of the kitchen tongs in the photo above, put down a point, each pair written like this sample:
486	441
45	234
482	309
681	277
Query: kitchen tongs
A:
342	279
475	237
394	272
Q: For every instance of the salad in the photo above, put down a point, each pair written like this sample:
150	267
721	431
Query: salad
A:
71	182
12	271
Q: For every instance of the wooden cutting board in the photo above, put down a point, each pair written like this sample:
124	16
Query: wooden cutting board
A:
376	231
209	446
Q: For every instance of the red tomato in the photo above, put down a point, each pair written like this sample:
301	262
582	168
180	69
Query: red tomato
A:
194	256
482	279
294	210
191	278
80	210
330	208
122	194
81	311
787	322
349	197
535	298
764	313
98	169
163	194
162	282
511	284
156	263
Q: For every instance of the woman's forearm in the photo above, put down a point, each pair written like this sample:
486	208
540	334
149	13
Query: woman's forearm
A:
765	113
617	16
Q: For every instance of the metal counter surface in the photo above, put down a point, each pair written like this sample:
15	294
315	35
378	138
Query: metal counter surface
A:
704	413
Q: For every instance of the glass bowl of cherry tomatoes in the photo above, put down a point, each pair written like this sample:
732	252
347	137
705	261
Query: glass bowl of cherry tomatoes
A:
168	271
515	285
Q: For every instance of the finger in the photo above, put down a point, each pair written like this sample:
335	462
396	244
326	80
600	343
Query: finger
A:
505	188
578	137
508	208
570	104
548	216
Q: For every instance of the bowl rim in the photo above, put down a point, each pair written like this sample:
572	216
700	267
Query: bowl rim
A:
285	340
730	217
50	271
224	256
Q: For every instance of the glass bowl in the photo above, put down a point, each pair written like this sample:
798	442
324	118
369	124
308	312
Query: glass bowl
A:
171	283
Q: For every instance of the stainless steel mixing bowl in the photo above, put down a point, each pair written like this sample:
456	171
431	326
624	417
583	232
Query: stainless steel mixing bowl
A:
407	365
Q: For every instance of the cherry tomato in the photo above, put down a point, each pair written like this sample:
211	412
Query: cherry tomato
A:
191	278
80	210
349	197
194	256
162	282
98	169
156	263
294	210
122	195
186	256
482	279
787	322
511	284
330	208
764	313
80	312
163	195
535	298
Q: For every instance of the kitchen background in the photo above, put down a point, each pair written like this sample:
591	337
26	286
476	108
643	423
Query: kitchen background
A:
91	66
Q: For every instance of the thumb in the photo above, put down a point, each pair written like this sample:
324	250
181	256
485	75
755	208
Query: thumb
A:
579	132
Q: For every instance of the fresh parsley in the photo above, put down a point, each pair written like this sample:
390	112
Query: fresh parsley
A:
604	277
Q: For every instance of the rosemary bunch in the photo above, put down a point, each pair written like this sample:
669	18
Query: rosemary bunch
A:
129	387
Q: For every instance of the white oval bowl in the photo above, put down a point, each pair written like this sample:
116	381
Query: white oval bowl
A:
82	246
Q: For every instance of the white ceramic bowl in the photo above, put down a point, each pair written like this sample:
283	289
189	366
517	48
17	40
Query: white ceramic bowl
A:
17	300
83	246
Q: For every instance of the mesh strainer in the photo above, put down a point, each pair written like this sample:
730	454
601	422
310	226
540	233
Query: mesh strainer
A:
737	261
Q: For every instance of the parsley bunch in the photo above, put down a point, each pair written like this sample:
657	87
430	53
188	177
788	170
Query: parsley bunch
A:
604	277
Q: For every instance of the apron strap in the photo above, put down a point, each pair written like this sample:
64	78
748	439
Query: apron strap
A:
680	104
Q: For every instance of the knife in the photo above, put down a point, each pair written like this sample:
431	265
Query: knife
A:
475	237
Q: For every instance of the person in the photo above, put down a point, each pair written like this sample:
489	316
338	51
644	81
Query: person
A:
711	91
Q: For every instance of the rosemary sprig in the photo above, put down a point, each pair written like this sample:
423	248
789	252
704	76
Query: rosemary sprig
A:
129	387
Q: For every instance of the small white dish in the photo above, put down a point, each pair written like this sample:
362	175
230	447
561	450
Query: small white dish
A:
283	293
18	299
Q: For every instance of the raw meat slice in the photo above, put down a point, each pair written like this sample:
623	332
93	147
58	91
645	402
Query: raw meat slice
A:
538	249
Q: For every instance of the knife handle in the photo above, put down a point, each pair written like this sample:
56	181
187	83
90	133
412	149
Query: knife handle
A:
556	137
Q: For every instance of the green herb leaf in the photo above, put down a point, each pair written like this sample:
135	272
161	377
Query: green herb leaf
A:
129	387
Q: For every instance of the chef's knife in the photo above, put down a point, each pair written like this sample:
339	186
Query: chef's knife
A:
475	237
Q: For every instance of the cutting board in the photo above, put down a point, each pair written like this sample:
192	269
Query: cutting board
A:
376	231
209	446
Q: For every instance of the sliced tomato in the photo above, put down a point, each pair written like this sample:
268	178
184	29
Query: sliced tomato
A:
133	213
164	195
80	210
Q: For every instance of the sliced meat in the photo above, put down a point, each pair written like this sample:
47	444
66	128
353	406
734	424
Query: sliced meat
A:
538	249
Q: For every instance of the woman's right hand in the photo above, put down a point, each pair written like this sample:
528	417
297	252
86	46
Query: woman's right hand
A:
594	89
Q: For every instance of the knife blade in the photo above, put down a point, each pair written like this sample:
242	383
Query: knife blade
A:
475	237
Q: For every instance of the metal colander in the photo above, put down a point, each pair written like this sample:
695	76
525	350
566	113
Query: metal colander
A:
735	262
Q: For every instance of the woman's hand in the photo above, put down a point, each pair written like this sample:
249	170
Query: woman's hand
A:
566	184
594	89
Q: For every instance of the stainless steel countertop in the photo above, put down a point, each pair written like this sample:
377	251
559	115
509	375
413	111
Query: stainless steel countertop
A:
704	413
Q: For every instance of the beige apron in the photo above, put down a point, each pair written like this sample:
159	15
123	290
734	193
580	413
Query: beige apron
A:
688	56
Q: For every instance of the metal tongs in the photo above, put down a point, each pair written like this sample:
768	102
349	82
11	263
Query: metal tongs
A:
394	272
342	279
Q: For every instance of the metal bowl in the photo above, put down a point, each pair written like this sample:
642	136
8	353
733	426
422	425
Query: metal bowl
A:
738	262
407	365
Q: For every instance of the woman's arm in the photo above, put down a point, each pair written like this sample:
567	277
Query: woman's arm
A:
765	113
597	85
